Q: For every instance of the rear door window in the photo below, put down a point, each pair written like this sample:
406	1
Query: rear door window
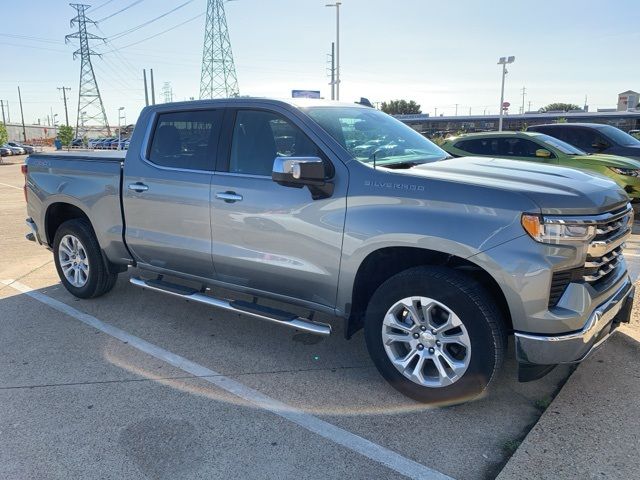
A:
186	140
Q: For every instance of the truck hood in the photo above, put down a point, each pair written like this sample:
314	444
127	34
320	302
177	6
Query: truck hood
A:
610	160
556	190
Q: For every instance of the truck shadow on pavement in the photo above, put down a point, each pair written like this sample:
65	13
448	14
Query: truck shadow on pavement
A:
324	376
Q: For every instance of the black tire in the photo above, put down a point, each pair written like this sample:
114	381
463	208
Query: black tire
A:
470	302
99	280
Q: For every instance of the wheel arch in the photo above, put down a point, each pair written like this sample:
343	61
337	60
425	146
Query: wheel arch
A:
59	212
383	263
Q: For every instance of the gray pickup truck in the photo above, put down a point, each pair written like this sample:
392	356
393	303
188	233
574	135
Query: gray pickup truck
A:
343	210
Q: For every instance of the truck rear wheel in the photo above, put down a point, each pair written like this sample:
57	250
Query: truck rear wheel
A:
79	261
435	335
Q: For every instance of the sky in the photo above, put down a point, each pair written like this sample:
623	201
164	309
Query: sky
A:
438	53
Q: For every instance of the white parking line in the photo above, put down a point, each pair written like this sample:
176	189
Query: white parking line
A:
373	451
12	186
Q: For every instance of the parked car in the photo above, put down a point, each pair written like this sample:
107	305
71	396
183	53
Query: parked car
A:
14	150
5	151
28	149
593	138
77	142
437	258
91	143
541	148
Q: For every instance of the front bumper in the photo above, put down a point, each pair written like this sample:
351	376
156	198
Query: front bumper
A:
574	347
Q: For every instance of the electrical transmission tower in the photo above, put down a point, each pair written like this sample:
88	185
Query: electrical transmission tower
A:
167	92
90	107
218	78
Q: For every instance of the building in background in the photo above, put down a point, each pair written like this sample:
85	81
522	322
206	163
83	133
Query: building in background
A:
442	126
628	100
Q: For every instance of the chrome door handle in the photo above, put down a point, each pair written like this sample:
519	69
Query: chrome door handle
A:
229	197
138	187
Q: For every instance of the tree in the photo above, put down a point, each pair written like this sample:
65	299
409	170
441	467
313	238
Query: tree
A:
400	107
559	106
65	134
4	137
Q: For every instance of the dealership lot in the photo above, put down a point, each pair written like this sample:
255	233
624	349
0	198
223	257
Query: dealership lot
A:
136	383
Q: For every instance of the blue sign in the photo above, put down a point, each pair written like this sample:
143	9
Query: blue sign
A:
305	93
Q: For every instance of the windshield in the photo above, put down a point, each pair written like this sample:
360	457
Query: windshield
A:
564	147
369	135
619	137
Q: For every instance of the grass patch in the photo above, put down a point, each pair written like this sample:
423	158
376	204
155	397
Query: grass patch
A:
543	403
510	446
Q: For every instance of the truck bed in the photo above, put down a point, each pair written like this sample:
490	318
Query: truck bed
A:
90	155
90	181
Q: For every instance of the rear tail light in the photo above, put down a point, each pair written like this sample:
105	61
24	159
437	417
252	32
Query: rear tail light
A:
25	170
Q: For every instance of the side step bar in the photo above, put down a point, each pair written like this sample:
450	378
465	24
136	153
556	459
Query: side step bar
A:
253	310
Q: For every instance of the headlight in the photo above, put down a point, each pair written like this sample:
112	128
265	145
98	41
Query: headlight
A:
631	172
556	230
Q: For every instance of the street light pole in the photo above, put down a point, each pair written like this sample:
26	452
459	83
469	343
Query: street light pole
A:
337	80
503	61
120	128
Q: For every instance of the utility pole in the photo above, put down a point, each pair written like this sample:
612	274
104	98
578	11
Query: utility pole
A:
89	99
64	97
456	109
337	52
24	130
435	113
529	109
146	91
2	105
469	111
332	55
218	75
153	89
524	92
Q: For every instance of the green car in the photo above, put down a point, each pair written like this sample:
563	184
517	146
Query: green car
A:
541	148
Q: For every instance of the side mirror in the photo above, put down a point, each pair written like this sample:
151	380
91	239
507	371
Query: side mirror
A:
299	172
543	153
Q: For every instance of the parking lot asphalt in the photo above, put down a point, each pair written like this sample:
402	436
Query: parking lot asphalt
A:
137	384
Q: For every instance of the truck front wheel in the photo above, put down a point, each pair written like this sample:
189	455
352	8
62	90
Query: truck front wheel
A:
435	335
79	262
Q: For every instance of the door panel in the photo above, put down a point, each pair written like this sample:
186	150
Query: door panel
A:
167	195
273	238
277	239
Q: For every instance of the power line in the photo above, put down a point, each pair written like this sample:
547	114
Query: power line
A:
120	11
103	4
148	22
156	34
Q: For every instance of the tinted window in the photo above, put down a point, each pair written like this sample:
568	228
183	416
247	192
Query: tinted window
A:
478	146
499	147
186	139
582	138
259	137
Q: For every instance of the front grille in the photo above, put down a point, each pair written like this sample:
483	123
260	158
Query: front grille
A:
604	254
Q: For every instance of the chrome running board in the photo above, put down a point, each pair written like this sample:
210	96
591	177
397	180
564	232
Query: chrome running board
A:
253	310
